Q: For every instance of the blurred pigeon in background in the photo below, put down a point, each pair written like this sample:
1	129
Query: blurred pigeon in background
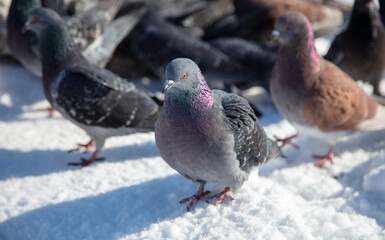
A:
4	6
85	28
317	97
254	19
154	42
93	98
259	57
360	49
208	135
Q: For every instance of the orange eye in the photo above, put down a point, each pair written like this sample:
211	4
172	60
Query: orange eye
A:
184	76
288	27
35	20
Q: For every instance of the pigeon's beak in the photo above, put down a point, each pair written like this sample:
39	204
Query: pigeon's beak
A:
25	28
167	85
274	35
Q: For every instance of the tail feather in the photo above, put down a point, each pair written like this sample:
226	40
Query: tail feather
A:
101	50
274	150
376	123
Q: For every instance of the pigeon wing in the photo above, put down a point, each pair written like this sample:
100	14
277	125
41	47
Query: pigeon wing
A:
97	97
252	145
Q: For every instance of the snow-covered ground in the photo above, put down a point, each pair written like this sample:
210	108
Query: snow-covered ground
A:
135	195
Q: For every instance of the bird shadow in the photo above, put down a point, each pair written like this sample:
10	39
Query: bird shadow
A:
371	141
111	215
40	162
18	88
367	202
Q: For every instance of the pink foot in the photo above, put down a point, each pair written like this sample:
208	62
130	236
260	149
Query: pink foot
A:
286	141
51	111
324	158
199	196
225	194
88	147
85	162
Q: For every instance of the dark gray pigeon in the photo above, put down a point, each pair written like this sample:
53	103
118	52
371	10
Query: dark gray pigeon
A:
92	31
208	135
259	57
382	10
360	49
93	98
154	42
254	19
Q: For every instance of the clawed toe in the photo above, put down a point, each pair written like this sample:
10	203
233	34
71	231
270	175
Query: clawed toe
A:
286	141
86	162
51	111
322	159
222	196
193	200
87	147
202	196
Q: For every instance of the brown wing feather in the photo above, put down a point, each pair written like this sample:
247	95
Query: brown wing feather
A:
336	102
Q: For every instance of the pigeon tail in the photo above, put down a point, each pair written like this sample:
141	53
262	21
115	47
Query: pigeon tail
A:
274	150
101	50
376	123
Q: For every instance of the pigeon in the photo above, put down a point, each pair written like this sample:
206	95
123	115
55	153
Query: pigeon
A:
254	19
4	6
360	49
208	135
95	99
259	57
204	16
87	29
154	42
316	96
382	10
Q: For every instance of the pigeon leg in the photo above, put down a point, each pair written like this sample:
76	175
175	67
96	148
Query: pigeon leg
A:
199	196
222	196
323	158
286	141
88	147
51	111
85	162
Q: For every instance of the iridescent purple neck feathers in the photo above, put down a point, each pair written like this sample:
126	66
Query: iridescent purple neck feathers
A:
314	58
203	99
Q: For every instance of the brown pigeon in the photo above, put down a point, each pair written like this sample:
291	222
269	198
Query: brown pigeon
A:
316	96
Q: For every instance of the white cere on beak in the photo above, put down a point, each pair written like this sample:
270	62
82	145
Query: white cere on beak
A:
274	34
167	85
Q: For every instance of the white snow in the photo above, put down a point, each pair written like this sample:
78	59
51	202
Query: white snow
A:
135	195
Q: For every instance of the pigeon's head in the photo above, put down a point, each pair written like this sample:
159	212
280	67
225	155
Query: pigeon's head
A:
291	26
365	7
182	71
40	19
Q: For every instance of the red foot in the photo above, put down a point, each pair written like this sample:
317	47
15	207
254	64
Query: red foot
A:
88	147
222	196
199	196
86	162
286	141
51	111
323	158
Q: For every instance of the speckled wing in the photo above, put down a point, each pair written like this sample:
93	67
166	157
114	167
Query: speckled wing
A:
97	97
252	146
86	27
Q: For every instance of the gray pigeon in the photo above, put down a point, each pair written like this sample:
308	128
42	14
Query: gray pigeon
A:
86	28
93	98
208	135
